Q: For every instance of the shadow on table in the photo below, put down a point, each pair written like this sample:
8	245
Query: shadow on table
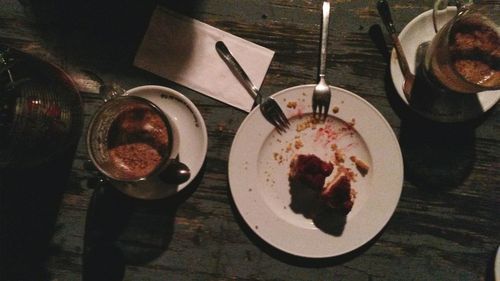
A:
121	230
307	202
437	156
294	259
29	204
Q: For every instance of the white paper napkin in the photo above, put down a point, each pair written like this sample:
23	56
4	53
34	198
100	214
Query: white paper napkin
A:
182	50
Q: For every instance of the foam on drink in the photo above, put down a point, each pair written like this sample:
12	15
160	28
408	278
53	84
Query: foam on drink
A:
465	57
138	142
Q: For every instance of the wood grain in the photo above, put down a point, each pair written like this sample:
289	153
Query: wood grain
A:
445	226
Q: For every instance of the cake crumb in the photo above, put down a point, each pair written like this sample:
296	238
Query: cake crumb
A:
308	123
278	157
348	172
352	123
292	104
362	166
221	127
298	144
339	156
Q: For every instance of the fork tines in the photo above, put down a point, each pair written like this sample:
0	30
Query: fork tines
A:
273	113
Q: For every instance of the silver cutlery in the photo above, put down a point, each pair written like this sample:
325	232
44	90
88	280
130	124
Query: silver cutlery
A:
268	106
385	14
322	94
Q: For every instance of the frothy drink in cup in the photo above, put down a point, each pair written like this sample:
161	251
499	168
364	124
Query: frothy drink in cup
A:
475	49
465	55
134	142
130	139
138	141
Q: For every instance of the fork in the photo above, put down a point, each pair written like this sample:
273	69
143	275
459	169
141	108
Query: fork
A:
268	106
322	94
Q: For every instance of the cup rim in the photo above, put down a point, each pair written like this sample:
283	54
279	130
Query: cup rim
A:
170	132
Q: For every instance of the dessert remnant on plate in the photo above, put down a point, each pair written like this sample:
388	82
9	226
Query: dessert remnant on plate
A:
360	165
138	140
338	194
309	170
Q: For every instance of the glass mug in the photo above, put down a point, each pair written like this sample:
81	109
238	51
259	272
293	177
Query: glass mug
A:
464	56
41	111
136	145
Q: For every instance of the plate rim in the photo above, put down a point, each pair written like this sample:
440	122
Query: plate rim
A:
389	210
497	264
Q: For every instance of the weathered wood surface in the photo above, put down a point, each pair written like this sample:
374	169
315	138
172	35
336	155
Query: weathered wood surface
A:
445	227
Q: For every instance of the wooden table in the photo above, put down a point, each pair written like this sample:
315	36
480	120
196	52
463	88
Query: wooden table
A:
446	224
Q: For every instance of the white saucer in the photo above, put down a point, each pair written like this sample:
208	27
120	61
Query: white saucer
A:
193	140
421	30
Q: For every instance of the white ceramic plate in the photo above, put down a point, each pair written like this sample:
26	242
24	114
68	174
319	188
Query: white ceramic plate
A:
497	265
191	126
421	30
259	165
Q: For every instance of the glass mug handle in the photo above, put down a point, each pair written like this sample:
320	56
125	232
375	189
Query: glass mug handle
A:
443	4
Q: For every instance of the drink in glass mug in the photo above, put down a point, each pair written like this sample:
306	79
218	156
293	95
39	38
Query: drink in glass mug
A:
138	141
464	56
130	139
134	142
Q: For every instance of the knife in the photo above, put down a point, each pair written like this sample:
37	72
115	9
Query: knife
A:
385	14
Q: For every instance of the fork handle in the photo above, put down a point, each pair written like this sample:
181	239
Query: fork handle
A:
237	69
324	38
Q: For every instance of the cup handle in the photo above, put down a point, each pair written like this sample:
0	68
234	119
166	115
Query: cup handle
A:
110	91
439	5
